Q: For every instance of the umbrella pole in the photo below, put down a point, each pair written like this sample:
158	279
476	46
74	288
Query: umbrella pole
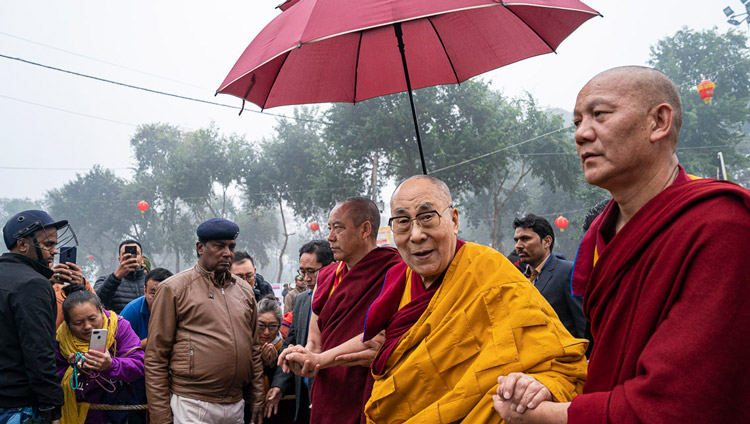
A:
399	36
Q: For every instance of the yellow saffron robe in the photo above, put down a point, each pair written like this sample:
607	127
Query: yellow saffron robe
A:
484	321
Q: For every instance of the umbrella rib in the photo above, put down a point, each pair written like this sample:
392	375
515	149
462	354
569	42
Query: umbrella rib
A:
275	77
356	68
529	27
444	50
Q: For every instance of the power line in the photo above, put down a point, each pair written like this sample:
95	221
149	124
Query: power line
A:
499	150
69	111
163	93
101	61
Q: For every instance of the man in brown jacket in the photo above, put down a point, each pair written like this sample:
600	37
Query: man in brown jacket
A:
202	327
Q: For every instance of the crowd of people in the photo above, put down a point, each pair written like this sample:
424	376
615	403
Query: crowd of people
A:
645	325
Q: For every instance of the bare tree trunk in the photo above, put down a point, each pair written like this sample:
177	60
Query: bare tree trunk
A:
374	186
176	259
496	189
283	247
223	201
211	208
524	172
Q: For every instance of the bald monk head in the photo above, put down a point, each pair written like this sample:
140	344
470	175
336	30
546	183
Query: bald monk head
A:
627	123
424	225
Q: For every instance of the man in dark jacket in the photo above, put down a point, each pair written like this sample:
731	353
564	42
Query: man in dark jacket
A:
313	256
548	272
243	266
119	288
29	386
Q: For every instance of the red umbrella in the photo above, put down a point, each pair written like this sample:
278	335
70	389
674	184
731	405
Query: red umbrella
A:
348	51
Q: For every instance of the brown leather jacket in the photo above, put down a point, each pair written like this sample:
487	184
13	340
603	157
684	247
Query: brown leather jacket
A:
202	331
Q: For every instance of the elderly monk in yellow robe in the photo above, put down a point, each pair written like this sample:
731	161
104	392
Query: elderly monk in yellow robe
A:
456	315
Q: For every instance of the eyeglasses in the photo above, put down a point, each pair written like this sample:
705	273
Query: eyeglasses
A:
426	220
308	271
272	327
246	277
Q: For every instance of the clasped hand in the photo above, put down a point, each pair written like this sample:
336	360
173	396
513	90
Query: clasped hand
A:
517	392
300	361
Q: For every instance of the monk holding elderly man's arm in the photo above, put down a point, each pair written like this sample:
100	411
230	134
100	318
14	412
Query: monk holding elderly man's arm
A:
456	316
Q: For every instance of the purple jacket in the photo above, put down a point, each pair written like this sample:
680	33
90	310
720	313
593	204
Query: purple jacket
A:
126	369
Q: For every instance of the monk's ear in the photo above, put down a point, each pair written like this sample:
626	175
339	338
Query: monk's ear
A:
366	230
454	219
662	120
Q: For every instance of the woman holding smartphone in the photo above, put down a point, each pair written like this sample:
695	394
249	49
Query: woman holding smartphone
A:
91	374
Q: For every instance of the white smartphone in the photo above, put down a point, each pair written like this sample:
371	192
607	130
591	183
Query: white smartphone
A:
98	340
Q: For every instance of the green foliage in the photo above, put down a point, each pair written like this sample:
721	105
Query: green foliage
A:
687	58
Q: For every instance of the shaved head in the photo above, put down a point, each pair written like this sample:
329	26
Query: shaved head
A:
362	209
652	86
441	187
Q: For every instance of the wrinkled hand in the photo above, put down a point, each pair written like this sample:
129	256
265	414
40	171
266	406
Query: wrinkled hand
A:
506	410
273	397
364	357
283	362
127	264
303	362
522	391
97	361
269	354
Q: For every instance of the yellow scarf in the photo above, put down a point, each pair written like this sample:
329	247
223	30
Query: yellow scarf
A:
72	411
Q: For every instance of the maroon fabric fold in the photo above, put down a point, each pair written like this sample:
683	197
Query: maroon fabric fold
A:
384	313
669	303
339	394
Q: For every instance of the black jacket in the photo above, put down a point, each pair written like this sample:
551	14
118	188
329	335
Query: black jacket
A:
115	293
28	376
262	288
288	382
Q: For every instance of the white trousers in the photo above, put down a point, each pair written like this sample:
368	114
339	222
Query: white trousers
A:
191	411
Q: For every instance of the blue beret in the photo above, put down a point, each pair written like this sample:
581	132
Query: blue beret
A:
218	229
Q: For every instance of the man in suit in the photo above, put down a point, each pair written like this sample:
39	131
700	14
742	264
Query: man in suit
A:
535	239
313	256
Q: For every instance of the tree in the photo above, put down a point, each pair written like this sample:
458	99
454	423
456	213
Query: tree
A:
687	58
191	177
98	208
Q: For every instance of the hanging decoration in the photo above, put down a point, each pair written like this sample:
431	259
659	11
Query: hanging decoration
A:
143	207
91	257
706	90
314	226
561	222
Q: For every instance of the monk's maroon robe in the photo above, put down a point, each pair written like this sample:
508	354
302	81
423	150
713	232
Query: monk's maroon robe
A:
669	304
385	314
339	394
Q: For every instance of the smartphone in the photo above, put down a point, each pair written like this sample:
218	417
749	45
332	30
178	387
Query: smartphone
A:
68	254
133	250
98	340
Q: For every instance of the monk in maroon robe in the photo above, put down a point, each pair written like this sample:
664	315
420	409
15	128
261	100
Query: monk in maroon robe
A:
662	270
343	294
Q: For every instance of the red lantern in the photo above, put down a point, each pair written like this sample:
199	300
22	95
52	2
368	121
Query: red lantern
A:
143	207
314	226
561	222
706	90
91	257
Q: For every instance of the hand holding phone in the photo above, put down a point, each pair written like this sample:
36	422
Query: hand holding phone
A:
98	340
68	254
128	261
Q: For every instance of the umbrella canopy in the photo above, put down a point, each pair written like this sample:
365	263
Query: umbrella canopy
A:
348	51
